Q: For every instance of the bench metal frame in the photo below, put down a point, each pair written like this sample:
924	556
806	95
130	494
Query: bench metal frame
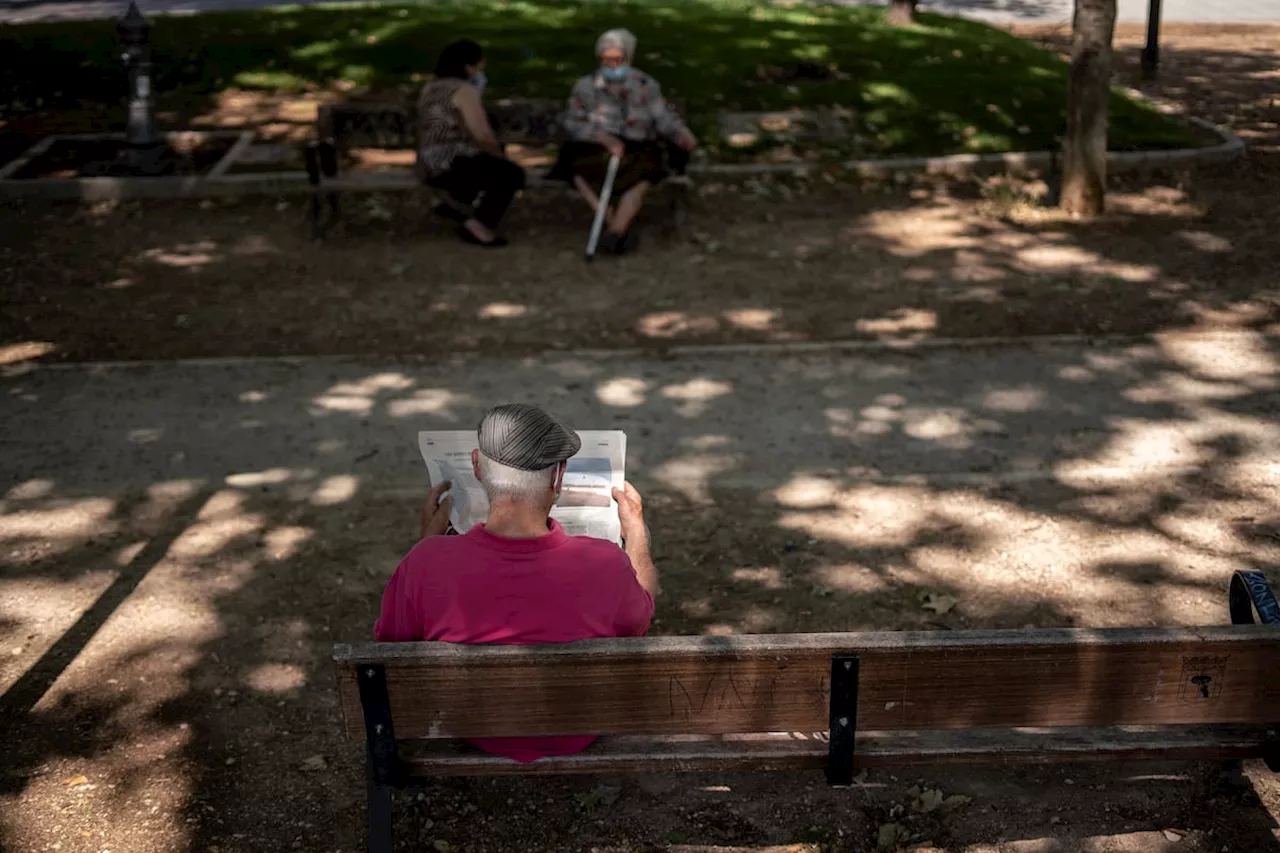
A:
1249	595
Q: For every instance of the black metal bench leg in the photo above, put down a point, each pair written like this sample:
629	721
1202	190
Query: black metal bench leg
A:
379	816
680	213
329	167
385	771
312	155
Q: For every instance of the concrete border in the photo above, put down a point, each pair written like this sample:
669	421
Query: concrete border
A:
218	183
781	349
97	189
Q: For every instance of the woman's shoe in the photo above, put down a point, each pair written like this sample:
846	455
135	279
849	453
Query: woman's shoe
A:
630	240
612	243
468	237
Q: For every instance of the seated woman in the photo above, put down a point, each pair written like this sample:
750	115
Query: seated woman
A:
458	150
619	110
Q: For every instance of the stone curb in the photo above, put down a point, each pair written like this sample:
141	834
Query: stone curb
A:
218	183
779	349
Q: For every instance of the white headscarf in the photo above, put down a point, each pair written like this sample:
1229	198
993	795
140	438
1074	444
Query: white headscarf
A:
618	38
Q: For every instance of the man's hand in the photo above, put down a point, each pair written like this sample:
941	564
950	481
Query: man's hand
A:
686	140
631	514
611	143
635	533
435	513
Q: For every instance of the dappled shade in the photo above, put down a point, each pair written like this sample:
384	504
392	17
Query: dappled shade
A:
942	86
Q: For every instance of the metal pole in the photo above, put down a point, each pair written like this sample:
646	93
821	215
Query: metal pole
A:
135	32
1151	53
602	206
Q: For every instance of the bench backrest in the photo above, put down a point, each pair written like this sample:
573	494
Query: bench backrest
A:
393	124
782	683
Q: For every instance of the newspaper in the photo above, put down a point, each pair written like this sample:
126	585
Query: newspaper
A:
585	507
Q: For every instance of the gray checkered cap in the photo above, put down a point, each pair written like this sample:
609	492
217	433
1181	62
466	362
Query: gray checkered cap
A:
526	437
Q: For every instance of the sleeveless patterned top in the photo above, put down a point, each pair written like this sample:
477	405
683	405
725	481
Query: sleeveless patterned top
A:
442	134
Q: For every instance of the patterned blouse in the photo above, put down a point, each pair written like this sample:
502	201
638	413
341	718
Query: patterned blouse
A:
442	133
638	112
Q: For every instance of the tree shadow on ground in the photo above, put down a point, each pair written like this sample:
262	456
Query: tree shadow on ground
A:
767	261
251	513
1094	487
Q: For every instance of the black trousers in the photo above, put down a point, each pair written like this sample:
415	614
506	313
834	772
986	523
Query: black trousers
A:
495	179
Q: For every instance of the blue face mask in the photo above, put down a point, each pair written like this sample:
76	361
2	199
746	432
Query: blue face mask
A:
615	75
479	80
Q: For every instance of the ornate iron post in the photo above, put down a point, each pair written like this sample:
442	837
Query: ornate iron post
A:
135	34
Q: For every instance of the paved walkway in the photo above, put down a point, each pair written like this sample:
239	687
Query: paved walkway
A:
723	419
1020	11
181	544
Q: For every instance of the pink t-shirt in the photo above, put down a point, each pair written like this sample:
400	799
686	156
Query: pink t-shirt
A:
482	588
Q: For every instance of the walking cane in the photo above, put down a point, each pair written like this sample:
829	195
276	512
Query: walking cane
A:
603	206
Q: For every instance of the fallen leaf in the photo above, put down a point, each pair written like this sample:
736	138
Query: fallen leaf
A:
442	846
938	602
927	801
76	780
314	763
890	835
601	795
955	801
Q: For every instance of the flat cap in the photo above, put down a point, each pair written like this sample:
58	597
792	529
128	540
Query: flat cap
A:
525	437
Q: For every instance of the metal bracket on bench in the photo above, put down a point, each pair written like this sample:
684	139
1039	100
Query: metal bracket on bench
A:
844	719
384	758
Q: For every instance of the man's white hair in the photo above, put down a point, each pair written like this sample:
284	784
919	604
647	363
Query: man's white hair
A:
503	481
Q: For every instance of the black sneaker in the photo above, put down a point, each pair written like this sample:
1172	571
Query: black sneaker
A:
612	243
630	241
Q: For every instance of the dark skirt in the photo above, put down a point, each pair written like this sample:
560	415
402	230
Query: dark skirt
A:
650	161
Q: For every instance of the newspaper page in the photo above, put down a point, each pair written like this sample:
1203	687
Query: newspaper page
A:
585	507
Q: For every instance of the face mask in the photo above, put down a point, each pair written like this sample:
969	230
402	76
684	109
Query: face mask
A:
479	80
616	75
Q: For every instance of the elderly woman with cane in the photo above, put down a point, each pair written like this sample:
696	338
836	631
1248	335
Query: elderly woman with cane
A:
619	111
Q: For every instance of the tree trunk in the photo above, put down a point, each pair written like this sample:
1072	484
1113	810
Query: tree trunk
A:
901	12
1084	153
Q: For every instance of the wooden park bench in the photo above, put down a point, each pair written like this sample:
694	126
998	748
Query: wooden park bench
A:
529	127
838	702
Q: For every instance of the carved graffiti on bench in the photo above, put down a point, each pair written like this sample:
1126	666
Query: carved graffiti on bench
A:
720	693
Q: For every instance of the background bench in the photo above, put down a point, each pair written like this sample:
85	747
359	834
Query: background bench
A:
529	127
820	701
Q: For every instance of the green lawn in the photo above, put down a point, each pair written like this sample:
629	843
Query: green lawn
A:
943	86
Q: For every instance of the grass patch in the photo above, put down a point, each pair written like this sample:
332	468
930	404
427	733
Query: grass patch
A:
942	86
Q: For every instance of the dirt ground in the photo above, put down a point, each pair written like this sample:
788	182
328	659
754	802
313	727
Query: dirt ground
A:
766	261
164	650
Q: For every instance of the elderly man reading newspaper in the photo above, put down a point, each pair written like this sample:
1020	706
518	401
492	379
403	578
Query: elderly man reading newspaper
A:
517	577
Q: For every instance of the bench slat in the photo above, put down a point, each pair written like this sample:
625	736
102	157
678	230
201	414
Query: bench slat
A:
909	681
798	752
